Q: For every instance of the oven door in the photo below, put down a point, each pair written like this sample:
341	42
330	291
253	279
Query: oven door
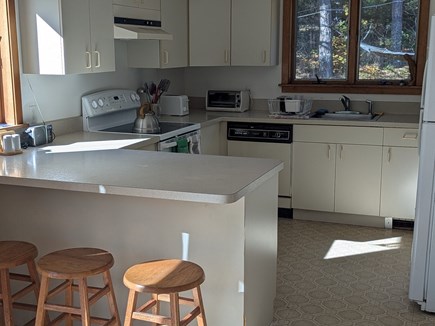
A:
188	143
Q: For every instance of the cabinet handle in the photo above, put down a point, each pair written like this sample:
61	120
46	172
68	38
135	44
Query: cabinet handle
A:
165	57
226	54
389	155
264	56
88	60
411	135
329	152
98	65
341	152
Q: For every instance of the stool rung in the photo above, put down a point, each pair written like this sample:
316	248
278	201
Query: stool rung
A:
20	277
61	287
190	316
24	306
60	308
182	300
97	296
148	305
159	319
91	289
96	320
23	292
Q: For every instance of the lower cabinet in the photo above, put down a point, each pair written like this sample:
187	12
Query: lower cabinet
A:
399	173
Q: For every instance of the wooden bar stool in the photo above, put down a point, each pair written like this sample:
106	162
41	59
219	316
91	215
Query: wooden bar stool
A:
76	265
164	279
13	254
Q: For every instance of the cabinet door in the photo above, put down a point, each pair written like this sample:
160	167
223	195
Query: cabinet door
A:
102	41
266	150
251	32
209	32
313	176
399	182
210	139
358	179
76	36
174	53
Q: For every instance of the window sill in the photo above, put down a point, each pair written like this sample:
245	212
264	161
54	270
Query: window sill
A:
353	89
8	127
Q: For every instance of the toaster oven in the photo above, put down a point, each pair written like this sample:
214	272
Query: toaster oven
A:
231	101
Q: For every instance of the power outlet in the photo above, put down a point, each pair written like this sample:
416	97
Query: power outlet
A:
388	222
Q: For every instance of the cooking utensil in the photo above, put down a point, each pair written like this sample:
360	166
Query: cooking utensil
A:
146	121
142	95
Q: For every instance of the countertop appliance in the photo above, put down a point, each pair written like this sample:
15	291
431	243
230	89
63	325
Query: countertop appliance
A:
422	277
174	105
230	101
115	110
265	140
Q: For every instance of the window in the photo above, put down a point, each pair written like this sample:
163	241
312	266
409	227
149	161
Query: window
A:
354	46
10	93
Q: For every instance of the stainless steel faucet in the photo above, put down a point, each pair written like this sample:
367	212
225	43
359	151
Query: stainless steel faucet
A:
370	103
346	102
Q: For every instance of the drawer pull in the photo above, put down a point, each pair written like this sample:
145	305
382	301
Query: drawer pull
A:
410	136
329	152
389	155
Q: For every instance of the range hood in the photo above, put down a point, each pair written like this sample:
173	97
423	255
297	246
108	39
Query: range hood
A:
139	29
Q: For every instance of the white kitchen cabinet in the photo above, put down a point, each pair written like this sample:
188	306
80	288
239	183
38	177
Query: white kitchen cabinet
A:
337	169
146	4
213	138
254	32
313	177
66	37
399	173
233	32
209	32
164	54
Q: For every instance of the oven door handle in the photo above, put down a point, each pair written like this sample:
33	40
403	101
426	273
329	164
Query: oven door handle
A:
168	145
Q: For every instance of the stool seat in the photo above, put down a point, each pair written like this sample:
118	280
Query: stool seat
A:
164	280
16	253
75	263
164	276
74	266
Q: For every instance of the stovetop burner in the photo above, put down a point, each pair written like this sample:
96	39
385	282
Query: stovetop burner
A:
165	127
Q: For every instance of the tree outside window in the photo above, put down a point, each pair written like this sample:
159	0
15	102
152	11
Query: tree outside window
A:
354	45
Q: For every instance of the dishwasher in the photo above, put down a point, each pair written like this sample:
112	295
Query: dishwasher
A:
265	140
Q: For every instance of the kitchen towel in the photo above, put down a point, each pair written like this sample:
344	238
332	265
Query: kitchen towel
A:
182	145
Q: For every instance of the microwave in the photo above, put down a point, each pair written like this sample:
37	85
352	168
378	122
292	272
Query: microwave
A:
230	101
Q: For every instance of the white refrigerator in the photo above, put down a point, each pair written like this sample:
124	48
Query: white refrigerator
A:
422	277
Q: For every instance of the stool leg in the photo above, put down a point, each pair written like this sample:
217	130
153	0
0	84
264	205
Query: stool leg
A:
34	276
43	292
175	309
197	299
84	302
69	302
156	308
7	297
131	306
111	298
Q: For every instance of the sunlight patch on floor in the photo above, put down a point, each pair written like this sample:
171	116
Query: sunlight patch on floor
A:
345	248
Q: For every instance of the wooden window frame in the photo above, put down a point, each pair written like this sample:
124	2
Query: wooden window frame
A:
10	89
351	85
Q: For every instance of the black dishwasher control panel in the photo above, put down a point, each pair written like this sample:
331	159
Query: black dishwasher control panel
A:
260	132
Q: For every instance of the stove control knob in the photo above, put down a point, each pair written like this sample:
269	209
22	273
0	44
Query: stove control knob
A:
133	97
100	102
94	104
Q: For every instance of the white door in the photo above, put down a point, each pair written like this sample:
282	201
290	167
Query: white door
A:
209	32
358	179
313	176
102	41
399	182
280	152
251	32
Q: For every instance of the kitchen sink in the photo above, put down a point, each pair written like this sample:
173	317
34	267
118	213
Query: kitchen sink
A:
348	116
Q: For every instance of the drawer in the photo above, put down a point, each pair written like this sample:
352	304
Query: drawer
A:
338	134
400	137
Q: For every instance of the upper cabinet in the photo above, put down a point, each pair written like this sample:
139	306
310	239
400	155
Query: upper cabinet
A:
233	32
164	54
66	37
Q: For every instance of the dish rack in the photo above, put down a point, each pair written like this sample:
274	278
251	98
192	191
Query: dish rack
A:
294	108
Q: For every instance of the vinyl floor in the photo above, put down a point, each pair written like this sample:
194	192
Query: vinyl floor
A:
334	274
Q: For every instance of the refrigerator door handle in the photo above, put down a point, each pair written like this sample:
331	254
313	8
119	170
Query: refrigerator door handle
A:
423	93
420	124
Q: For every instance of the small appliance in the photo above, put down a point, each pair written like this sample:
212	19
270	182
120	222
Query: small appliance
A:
174	105
229	101
39	135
